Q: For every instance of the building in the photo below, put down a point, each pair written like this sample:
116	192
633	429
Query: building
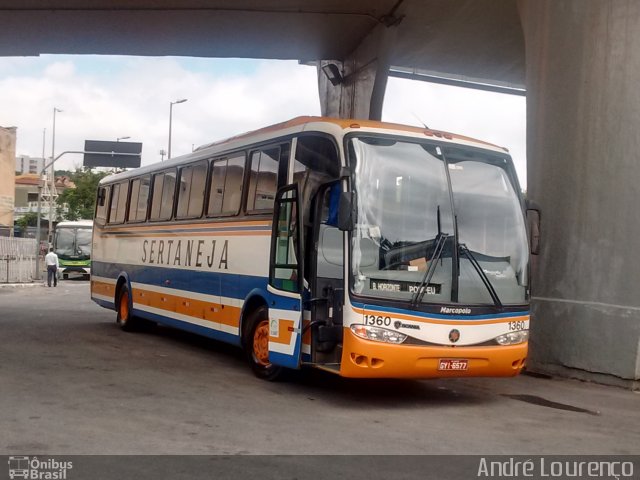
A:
26	164
7	178
26	195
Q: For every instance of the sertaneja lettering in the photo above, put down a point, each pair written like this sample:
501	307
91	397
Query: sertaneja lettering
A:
144	251
199	254
176	259
210	257
187	260
162	252
223	257
151	251
170	244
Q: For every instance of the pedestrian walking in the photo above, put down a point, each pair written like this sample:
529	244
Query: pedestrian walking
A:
51	259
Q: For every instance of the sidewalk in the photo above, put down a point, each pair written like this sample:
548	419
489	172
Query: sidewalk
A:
35	283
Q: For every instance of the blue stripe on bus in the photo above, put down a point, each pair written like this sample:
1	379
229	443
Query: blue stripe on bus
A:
209	283
403	311
104	303
189	327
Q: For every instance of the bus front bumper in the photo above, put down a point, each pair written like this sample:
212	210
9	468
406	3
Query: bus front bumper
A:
75	269
368	359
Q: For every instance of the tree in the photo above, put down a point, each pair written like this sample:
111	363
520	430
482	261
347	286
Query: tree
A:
29	219
81	200
63	173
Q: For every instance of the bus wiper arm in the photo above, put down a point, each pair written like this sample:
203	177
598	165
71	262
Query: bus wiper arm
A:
487	283
428	275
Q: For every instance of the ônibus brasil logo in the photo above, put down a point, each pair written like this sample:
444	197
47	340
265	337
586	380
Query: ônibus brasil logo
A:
35	469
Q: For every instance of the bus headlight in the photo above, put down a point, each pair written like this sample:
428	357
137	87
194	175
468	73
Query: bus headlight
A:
512	338
378	334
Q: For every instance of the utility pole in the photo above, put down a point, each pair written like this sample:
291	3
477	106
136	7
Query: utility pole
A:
38	234
53	193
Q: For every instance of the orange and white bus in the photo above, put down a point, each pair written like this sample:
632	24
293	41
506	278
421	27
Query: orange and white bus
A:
364	248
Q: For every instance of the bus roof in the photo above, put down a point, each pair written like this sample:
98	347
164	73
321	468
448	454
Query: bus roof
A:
300	124
75	224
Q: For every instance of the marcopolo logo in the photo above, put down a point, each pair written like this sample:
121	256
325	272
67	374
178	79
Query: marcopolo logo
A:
459	311
37	469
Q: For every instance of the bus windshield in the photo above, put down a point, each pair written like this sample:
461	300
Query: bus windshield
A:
418	203
73	242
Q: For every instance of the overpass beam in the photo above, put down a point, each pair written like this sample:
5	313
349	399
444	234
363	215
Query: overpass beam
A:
583	109
365	72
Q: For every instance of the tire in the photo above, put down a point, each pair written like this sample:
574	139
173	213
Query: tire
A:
65	276
125	318
257	346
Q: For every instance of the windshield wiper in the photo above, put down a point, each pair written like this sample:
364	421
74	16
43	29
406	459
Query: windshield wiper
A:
487	283
428	275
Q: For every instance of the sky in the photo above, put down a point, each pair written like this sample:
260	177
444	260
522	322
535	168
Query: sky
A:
106	97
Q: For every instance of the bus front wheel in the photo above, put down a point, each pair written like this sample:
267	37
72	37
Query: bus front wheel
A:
125	318
257	346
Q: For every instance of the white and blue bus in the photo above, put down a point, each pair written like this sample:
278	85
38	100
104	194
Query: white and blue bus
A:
363	248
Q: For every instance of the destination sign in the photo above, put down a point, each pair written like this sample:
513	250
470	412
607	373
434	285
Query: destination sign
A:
402	286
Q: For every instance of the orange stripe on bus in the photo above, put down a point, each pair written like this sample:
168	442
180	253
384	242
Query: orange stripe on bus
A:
103	288
201	309
187	226
285	331
240	233
441	322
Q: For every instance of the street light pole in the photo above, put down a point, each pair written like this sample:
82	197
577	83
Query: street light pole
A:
171	104
53	175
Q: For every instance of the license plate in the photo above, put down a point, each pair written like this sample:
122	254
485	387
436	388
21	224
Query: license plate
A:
453	364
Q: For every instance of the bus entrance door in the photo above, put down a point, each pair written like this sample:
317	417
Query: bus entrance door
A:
327	279
285	281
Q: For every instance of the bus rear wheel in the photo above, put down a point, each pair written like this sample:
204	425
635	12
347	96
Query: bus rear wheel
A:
125	318
257	346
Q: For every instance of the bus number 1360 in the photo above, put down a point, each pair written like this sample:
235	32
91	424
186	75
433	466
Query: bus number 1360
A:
378	320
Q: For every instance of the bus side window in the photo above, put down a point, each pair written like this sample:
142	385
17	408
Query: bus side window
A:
168	194
143	199
226	179
156	199
102	203
115	190
138	200
164	189
118	208
263	179
122	202
133	200
191	190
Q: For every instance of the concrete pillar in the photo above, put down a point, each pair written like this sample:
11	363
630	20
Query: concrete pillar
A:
583	122
7	175
365	73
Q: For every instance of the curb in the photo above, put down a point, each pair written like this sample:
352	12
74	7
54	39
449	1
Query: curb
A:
21	285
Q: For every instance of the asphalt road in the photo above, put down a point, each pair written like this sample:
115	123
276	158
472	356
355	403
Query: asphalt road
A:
72	383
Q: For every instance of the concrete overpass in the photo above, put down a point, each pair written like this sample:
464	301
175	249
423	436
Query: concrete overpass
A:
579	61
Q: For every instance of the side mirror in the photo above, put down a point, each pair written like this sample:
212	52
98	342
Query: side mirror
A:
346	213
533	224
